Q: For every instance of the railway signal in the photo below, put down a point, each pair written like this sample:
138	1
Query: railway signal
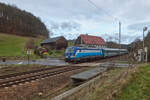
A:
28	55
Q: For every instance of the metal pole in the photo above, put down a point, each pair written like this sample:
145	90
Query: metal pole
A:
143	40
143	53
143	48
28	58
119	35
119	39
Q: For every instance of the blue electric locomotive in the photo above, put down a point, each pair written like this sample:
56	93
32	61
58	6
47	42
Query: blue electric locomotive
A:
76	54
80	53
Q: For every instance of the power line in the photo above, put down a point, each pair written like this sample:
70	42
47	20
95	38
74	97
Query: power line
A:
102	10
110	16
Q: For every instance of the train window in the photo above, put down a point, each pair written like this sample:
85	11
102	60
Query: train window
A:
69	50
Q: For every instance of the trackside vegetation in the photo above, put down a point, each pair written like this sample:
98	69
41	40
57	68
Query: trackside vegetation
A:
138	87
119	84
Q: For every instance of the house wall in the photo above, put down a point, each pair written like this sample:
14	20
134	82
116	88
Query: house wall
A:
97	46
61	43
49	45
79	42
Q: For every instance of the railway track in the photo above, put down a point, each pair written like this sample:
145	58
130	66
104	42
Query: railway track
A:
17	78
22	77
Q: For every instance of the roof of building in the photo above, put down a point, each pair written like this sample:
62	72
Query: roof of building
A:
50	40
94	40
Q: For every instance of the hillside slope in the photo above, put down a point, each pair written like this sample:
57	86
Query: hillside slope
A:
20	22
12	45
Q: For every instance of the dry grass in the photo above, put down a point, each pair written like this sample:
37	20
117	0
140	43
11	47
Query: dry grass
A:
107	88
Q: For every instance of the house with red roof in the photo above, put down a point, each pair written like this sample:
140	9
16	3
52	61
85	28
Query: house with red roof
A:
90	41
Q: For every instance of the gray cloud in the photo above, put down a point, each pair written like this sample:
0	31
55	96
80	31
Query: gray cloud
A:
138	26
124	37
67	26
130	10
67	16
70	26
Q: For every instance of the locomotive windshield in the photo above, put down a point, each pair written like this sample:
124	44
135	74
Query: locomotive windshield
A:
69	50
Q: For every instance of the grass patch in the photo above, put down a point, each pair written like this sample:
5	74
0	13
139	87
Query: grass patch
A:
57	53
139	86
12	45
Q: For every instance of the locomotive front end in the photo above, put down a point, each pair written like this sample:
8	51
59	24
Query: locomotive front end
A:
70	54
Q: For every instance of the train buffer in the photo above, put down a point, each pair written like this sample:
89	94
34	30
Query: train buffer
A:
87	75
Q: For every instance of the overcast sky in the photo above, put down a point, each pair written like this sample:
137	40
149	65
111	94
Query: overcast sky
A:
71	18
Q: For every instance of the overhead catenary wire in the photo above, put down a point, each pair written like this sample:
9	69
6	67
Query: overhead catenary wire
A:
108	14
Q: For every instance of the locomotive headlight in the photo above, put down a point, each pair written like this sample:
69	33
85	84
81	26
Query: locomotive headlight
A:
66	56
72	56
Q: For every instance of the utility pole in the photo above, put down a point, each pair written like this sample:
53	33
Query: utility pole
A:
119	35
143	53
144	29
119	39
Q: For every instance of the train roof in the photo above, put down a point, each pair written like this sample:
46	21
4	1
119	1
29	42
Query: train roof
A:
106	49
114	49
78	47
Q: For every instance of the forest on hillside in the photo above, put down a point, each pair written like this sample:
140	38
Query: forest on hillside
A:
20	22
